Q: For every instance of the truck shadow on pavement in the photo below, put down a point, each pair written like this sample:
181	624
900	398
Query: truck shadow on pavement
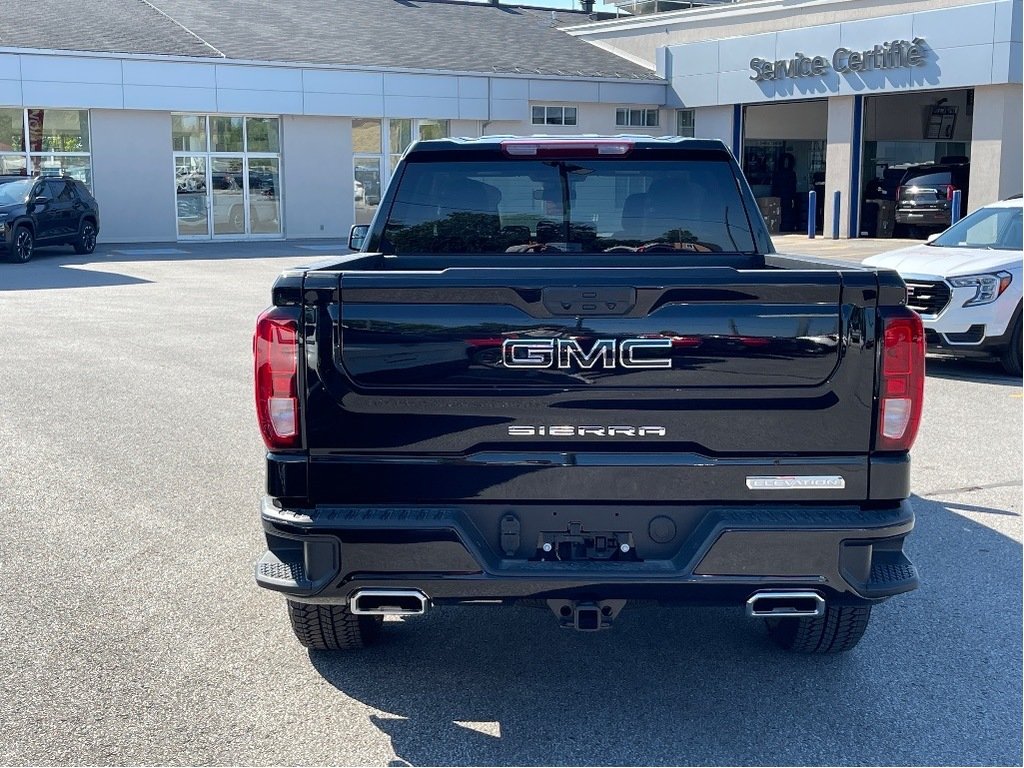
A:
936	680
56	268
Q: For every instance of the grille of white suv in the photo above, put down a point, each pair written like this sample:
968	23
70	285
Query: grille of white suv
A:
927	297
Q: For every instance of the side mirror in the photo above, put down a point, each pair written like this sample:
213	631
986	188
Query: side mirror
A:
932	236
41	200
357	236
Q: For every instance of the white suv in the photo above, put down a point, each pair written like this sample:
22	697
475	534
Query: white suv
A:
966	283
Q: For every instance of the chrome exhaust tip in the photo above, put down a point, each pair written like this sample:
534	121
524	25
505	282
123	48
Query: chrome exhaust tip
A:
388	602
783	604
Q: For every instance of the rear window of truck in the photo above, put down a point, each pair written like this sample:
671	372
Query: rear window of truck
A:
567	205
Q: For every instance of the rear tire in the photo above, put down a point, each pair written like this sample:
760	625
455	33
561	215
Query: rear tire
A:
86	241
839	630
1011	358
332	627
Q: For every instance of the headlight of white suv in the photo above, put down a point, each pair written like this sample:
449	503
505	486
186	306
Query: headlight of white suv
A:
987	288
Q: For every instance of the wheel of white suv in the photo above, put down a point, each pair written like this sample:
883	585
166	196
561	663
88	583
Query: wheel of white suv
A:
86	242
1011	358
840	629
332	627
22	245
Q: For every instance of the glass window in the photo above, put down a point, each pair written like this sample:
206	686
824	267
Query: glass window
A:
579	206
642	118
366	136
997	228
12	130
367	185
400	136
14	191
684	122
61	191
224	186
264	195
263	134
227	195
77	167
190	195
226	134
58	130
13	165
433	129
927	178
188	133
553	115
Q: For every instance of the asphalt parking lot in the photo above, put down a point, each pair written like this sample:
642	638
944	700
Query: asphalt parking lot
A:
132	631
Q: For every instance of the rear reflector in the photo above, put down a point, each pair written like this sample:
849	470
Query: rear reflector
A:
565	147
276	353
902	380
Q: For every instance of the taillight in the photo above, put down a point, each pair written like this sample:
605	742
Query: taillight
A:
949	192
902	381
276	353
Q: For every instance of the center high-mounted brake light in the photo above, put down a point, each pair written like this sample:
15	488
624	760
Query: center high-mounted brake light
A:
901	388
550	148
276	354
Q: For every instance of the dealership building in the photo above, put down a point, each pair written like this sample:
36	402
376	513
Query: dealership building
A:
244	119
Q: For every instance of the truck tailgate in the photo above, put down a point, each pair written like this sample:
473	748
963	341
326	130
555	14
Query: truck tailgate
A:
505	371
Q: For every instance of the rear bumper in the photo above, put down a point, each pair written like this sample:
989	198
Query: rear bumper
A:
926	217
850	555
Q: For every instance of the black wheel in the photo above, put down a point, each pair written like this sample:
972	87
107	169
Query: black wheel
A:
22	245
332	627
1011	357
86	242
840	629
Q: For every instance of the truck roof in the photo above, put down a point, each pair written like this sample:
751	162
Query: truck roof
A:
495	141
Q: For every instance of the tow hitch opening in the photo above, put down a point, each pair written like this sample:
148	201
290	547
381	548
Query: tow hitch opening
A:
585	615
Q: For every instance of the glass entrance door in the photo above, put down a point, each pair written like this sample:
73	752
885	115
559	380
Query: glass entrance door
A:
227	195
263	185
191	183
227	172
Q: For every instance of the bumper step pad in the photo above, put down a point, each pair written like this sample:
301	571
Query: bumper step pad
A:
891	574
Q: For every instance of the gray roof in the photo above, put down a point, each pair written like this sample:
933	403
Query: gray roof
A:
445	35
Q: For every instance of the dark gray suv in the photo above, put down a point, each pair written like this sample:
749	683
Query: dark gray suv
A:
46	211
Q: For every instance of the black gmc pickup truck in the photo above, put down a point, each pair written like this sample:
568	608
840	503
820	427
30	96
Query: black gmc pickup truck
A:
573	373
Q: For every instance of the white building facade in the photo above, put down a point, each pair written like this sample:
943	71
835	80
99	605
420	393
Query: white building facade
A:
206	146
846	88
178	149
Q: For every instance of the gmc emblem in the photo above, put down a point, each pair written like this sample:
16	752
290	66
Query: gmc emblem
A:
567	353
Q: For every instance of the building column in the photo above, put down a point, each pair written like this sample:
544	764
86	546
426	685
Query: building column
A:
996	154
842	161
317	176
129	146
714	123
